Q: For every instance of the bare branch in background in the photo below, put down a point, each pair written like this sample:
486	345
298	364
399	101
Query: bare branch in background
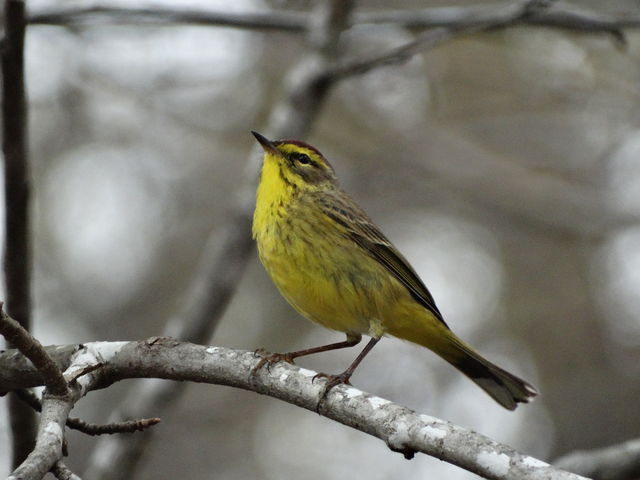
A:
17	246
617	462
507	15
228	247
103	14
402	429
558	15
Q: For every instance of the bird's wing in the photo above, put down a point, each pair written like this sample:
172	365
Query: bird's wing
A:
355	222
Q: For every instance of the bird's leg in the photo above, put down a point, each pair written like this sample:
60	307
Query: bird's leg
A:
289	357
333	380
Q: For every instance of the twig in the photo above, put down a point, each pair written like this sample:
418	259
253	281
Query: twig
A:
555	15
508	15
62	472
403	430
103	14
130	426
617	462
31	348
93	429
559	16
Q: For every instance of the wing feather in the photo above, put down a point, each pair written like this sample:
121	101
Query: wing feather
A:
344	211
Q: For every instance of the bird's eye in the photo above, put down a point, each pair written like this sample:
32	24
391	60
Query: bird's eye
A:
302	158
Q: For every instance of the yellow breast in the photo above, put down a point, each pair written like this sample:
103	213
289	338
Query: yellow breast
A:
317	268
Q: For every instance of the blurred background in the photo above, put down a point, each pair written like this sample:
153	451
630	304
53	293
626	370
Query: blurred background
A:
505	165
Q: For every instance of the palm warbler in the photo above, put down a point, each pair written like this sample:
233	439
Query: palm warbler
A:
335	267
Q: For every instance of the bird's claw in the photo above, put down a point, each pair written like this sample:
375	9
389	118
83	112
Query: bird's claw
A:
332	381
269	359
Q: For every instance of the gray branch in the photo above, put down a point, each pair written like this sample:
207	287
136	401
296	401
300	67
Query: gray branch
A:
402	429
30	347
49	440
17	244
563	15
617	462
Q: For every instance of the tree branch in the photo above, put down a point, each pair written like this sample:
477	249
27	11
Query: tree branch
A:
92	429
557	16
617	462
403	430
49	440
104	14
17	248
510	14
31	348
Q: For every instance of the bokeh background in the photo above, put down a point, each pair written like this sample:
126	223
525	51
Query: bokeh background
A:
505	165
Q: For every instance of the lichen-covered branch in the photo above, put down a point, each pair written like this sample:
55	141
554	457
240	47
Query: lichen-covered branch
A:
402	429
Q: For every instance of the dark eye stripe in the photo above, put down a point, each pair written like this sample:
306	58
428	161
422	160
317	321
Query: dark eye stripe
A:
303	159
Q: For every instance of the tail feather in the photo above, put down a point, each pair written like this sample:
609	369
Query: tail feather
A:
504	387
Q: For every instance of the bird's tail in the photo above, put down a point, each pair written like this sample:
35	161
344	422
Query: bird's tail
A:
504	387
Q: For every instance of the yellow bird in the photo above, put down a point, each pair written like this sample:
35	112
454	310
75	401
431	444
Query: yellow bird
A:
336	267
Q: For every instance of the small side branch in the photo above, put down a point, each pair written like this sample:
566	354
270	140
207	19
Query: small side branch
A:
93	429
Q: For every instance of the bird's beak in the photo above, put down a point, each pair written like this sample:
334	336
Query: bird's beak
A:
267	144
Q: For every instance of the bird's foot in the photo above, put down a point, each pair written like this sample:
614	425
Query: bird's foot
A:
332	381
268	359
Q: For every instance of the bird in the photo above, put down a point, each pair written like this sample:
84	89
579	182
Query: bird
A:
335	267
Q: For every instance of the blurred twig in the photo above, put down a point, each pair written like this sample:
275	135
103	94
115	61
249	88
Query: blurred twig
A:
17	251
62	472
558	15
403	430
617	462
157	15
508	15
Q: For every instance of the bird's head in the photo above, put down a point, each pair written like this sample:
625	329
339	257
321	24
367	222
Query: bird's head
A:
296	162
